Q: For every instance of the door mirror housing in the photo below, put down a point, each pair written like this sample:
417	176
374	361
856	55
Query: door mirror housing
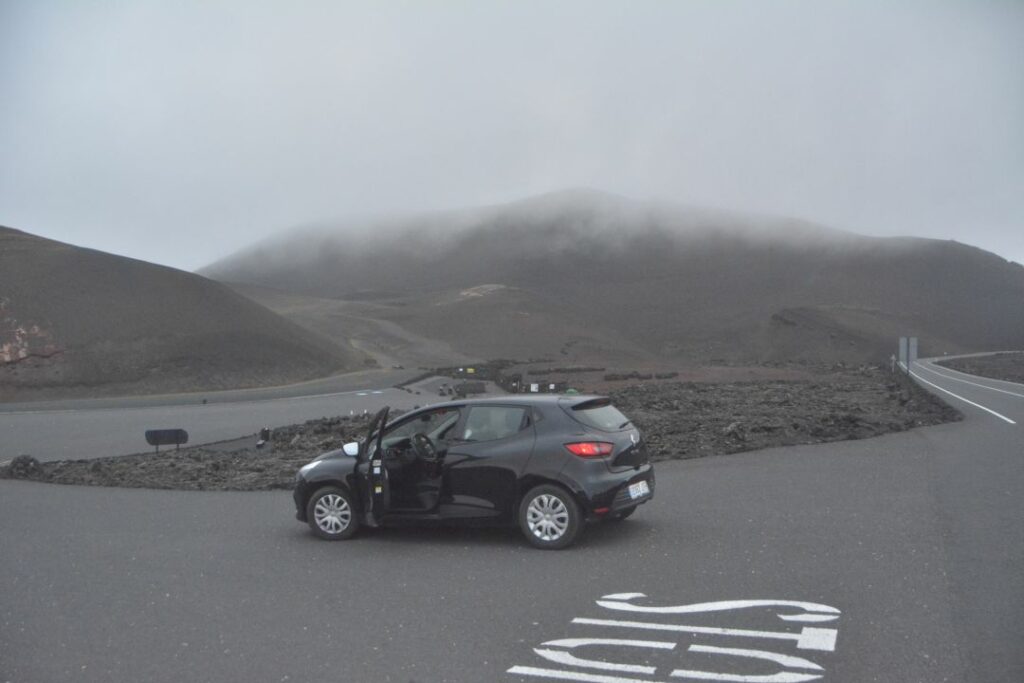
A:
351	449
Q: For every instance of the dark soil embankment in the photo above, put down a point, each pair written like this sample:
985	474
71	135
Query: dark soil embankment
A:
678	419
1005	366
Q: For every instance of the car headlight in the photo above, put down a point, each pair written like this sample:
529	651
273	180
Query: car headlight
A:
307	468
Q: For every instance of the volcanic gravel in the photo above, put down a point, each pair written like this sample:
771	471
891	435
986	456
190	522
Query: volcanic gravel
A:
678	420
1006	366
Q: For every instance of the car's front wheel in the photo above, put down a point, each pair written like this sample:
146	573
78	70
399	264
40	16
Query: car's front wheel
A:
331	514
549	517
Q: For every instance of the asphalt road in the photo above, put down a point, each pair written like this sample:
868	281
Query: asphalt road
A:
334	384
910	547
101	427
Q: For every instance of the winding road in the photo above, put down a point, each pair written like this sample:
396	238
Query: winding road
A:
898	558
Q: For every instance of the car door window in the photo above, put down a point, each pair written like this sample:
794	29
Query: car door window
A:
489	423
434	423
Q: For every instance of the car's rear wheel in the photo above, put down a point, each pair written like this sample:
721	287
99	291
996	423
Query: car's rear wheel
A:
549	517
332	514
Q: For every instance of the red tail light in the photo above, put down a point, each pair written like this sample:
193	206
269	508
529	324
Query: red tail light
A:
590	449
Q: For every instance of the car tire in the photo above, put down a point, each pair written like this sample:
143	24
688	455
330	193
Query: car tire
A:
331	514
620	516
549	517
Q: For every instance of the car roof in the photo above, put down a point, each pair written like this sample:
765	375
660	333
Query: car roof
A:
522	399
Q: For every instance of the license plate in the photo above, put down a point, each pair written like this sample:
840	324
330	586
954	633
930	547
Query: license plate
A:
639	489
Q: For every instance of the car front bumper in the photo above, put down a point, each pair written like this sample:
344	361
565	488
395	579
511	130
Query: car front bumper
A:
299	494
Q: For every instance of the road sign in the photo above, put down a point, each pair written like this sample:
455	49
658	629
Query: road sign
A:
166	437
908	353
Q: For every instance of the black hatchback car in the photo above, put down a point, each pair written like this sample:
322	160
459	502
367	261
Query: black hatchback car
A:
547	463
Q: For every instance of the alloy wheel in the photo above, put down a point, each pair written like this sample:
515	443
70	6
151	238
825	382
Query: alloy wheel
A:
332	513
547	517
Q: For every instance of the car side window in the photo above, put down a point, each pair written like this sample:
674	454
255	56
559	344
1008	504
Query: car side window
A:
489	423
433	423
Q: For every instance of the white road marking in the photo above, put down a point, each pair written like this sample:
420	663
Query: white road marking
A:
562	657
561	675
618	601
809	637
561	651
958	396
558	674
817	618
976	384
791	661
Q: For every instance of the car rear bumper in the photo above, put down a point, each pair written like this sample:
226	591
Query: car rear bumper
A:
609	493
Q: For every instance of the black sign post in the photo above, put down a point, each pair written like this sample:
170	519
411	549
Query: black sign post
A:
166	437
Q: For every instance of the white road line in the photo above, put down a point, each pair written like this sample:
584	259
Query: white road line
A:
560	675
958	396
557	674
927	367
809	638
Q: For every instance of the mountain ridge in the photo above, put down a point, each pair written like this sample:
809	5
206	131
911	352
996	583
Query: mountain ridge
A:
80	321
678	282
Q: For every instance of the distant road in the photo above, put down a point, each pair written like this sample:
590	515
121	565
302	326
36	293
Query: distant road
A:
93	428
998	398
356	381
894	559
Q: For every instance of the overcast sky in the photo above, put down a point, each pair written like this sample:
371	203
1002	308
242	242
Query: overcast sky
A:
178	132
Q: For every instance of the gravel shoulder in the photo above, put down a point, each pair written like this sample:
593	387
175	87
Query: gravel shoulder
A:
679	420
1005	366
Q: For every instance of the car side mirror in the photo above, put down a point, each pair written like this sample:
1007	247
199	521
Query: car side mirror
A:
351	449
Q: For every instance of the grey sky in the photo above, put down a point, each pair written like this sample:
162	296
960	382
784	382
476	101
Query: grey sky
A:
178	132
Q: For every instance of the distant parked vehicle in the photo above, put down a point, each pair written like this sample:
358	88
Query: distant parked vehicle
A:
545	463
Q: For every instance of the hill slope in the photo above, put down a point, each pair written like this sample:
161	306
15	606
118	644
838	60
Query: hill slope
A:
646	279
75	321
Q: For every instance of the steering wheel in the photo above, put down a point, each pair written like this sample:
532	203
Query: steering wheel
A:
424	447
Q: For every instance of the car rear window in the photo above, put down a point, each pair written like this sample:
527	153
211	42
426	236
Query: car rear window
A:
604	416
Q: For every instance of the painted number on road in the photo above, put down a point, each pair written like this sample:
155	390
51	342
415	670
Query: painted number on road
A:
738	648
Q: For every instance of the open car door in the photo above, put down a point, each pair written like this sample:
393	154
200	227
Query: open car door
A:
371	456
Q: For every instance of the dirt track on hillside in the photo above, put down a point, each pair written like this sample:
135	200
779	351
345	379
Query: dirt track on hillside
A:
678	419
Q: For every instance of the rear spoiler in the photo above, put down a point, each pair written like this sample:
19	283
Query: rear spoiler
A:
592	402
